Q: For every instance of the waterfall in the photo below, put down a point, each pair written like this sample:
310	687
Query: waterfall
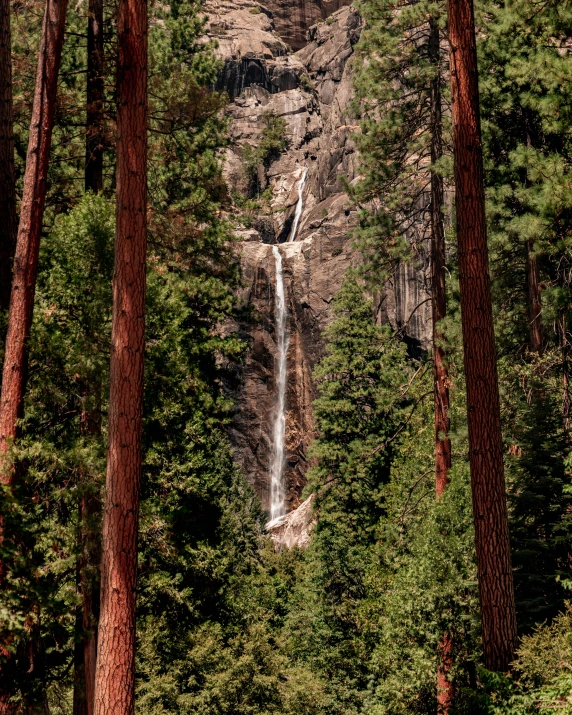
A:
277	505
299	206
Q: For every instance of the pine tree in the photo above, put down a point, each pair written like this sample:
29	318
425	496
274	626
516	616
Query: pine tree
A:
362	397
27	253
401	48
483	409
527	157
115	672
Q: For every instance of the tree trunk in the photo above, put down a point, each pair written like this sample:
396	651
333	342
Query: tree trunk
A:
27	247
95	95
89	506
89	518
445	691
8	221
87	617
438	294
30	229
494	568
115	672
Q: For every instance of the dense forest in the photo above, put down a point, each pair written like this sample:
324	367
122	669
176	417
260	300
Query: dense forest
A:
142	567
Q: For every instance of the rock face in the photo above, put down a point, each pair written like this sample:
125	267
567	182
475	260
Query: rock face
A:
294	529
311	90
293	17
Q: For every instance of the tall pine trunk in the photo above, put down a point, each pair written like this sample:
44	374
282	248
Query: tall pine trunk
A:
439	309
95	95
89	506
115	672
494	568
438	294
27	250
30	229
8	221
89	518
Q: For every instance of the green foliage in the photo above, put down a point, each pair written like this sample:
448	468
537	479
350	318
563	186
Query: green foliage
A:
271	144
393	71
527	156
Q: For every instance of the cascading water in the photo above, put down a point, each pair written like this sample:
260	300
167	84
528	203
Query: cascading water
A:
299	206
277	505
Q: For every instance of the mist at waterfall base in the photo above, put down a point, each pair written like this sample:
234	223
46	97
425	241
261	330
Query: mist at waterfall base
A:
277	495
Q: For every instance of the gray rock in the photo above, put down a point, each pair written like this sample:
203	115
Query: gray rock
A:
312	91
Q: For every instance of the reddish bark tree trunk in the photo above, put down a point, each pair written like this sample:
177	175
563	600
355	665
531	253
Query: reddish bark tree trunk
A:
86	624
88	570
438	293
445	691
8	221
27	249
483	410
30	229
115	673
94	141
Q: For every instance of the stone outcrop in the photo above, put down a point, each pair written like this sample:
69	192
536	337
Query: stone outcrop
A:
293	529
292	18
313	97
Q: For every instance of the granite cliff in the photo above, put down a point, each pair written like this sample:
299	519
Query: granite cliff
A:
311	90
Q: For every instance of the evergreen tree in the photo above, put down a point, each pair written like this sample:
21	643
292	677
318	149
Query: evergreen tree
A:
363	393
527	153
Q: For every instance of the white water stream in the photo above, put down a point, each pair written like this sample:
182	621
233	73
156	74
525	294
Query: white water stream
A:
277	505
299	206
277	502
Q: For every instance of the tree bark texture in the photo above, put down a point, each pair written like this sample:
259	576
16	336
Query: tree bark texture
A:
445	690
115	672
89	519
94	141
30	229
87	619
27	249
494	568
8	220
